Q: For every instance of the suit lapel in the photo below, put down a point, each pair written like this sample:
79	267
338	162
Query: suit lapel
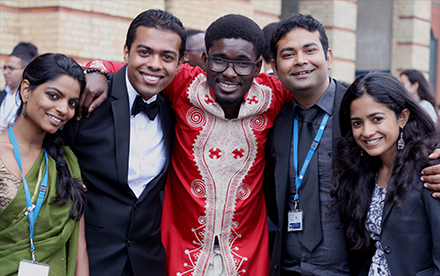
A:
283	141
121	117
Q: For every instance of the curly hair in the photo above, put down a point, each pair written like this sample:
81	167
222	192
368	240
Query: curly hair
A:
235	26
354	175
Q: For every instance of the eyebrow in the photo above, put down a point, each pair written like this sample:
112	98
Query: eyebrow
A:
368	116
152	50
286	49
223	55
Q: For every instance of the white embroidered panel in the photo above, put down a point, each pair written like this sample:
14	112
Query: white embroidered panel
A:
224	153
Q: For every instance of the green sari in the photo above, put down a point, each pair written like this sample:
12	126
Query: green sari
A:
55	233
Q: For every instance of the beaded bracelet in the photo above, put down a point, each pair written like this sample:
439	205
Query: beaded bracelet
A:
97	70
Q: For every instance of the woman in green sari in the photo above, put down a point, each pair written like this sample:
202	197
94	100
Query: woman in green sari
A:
41	198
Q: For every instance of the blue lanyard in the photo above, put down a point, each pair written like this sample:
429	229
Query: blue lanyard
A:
315	143
31	212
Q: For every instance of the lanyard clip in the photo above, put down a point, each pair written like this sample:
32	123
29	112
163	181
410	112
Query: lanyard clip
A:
296	205
33	256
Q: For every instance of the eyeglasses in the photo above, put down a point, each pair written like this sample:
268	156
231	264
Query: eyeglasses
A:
242	68
196	50
10	68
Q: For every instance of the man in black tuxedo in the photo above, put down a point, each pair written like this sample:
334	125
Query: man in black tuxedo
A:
124	151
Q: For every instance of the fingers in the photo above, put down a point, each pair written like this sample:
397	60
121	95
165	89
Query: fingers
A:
435	154
94	94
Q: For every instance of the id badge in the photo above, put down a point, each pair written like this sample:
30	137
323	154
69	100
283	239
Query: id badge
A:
295	220
29	268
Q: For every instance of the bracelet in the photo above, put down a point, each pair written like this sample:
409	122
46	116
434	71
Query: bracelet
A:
97	70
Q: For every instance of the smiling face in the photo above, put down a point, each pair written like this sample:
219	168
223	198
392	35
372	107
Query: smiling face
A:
375	127
50	105
229	87
153	60
302	66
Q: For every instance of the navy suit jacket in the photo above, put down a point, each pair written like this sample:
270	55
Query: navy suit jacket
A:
2	95
119	226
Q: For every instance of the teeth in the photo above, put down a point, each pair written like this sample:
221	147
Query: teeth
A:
228	85
152	78
302	73
55	119
373	141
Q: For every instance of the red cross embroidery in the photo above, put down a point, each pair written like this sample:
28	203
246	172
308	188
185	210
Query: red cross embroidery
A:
208	100
252	100
215	153
238	153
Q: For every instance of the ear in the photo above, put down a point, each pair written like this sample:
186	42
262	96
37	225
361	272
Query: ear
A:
415	86
403	118
329	59
25	90
258	67
274	69
126	54
204	61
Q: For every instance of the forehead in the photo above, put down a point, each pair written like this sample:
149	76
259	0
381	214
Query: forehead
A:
366	104
163	40
196	39
13	60
233	48
299	37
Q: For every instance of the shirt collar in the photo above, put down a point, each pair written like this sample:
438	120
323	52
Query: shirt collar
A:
132	93
8	90
327	99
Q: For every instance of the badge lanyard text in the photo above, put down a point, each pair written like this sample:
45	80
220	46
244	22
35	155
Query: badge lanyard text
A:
31	212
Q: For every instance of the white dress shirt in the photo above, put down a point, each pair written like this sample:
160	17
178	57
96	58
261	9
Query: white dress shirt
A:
147	154
9	107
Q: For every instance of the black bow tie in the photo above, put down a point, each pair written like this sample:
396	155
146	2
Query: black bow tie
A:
149	109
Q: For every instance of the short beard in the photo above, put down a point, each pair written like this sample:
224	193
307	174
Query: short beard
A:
229	102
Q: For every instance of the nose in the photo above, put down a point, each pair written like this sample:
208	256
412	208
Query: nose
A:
62	107
154	62
368	130
300	59
230	71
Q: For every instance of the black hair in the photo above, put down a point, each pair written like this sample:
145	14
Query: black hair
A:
424	91
235	26
161	20
26	52
190	33
42	69
268	30
354	175
295	21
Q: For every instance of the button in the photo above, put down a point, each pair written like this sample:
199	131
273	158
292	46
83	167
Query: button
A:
129	243
305	260
135	207
276	266
387	249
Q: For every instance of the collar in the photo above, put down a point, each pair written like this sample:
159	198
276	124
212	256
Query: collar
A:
9	90
132	93
326	101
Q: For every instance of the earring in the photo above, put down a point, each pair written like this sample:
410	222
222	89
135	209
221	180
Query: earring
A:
61	127
24	112
362	152
401	142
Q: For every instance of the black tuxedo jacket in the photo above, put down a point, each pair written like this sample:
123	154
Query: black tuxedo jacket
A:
119	226
276	177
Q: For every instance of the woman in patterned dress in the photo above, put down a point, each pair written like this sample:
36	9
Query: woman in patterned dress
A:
388	217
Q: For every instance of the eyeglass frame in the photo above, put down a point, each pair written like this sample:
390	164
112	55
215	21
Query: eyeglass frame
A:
254	63
4	68
196	50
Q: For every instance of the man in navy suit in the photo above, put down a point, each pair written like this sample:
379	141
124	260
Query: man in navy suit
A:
124	151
